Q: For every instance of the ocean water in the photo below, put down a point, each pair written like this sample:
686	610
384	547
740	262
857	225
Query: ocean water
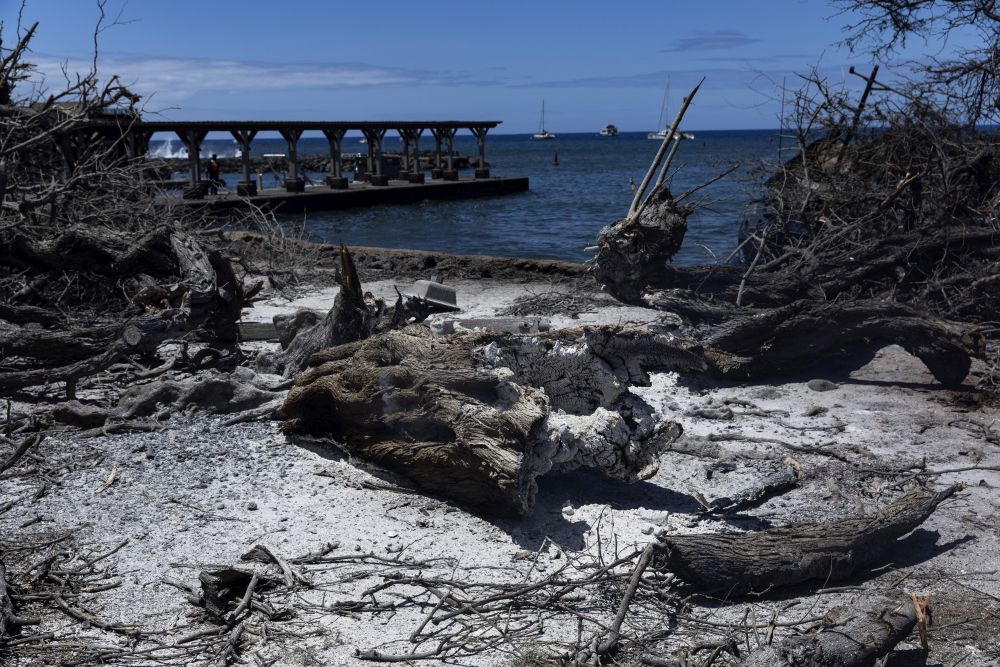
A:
566	205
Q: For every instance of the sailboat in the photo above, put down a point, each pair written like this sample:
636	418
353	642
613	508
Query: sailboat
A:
662	133
542	132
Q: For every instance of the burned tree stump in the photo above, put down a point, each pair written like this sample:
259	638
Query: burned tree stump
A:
355	315
632	253
206	297
736	564
478	416
850	637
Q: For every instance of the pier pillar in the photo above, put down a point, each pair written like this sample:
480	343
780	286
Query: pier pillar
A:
482	171
246	187
450	174
436	171
335	179
136	146
376	167
416	175
404	136
196	188
293	183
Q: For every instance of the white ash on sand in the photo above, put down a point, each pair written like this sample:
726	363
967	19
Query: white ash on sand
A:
198	495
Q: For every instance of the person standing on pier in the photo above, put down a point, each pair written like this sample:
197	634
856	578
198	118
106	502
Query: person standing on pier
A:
213	175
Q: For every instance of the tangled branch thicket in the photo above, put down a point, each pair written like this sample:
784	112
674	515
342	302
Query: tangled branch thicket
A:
890	203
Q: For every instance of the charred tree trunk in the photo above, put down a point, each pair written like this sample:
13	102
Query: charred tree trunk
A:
477	417
6	606
736	564
786	339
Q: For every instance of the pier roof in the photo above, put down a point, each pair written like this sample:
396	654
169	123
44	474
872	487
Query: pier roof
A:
264	125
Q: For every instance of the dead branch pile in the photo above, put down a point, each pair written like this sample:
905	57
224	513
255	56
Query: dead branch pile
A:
94	269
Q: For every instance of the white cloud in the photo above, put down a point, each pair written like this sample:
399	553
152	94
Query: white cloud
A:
176	80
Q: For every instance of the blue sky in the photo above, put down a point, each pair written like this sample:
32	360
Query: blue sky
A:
593	62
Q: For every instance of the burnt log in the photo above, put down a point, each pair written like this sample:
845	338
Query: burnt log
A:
6	605
477	417
855	636
56	345
736	564
783	480
785	339
76	250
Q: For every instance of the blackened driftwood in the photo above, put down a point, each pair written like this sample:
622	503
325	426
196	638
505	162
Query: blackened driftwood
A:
478	416
854	636
735	564
775	483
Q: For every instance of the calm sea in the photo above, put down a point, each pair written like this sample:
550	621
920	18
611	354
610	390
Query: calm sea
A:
567	204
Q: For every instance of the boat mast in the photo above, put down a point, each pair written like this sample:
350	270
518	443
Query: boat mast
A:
663	105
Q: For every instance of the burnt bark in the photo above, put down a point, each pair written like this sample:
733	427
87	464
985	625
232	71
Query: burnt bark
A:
76	250
633	252
6	605
736	564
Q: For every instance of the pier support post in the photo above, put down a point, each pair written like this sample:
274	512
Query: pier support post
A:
436	171
412	170
196	188
377	171
335	179
482	171
450	174
246	187
404	136
136	146
293	183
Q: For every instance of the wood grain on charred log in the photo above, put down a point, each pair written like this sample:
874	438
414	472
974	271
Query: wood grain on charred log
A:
735	564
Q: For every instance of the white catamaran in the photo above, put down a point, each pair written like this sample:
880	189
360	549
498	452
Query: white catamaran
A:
542	132
661	134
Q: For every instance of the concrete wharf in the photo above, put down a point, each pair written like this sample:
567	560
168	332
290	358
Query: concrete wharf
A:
360	193
137	134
